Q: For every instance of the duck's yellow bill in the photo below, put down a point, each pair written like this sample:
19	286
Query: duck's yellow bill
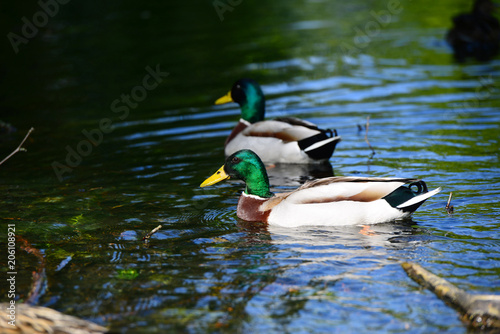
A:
218	176
225	99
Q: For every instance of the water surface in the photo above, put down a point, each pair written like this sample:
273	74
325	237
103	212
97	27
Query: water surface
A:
206	270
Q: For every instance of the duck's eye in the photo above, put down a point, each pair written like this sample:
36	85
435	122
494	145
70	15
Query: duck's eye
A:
235	160
238	86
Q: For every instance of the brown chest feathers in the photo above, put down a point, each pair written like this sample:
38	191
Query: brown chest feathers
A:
237	129
253	208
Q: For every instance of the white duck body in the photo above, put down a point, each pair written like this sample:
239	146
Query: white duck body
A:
324	202
337	201
289	214
277	141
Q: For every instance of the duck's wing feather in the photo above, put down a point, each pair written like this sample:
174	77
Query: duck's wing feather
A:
297	121
281	130
352	179
337	189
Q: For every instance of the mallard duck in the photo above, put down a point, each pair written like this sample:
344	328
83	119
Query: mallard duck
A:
329	201
475	34
285	139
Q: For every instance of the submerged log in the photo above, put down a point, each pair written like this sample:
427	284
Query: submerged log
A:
37	319
477	311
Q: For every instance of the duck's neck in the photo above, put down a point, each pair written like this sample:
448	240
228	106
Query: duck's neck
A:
254	108
257	184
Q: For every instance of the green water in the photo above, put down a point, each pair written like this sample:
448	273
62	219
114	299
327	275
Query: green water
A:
91	67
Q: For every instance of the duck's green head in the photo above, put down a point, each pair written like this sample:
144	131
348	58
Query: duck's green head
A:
246	166
247	93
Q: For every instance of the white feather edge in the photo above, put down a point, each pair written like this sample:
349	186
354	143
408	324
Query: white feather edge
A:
247	123
252	196
419	198
321	143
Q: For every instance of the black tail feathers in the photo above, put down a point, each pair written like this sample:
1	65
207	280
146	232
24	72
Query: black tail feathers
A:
320	146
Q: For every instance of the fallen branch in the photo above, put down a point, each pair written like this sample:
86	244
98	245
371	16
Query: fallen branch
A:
19	148
39	278
366	137
37	319
478	311
449	208
156	229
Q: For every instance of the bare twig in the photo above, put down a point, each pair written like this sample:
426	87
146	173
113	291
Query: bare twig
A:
366	137
449	208
156	229
19	148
